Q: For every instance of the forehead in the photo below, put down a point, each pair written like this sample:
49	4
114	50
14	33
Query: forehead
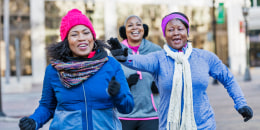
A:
133	20
175	22
79	28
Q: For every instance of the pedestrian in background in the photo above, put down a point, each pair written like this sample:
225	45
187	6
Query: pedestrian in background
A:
144	90
182	76
82	85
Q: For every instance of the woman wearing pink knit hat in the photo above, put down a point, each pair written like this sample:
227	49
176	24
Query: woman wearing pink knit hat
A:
83	86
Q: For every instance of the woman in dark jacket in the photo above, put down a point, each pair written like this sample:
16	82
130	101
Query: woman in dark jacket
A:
82	85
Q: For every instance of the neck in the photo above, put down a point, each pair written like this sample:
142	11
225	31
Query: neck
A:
134	43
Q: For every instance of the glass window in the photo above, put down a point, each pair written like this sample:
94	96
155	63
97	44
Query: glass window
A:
252	3
258	2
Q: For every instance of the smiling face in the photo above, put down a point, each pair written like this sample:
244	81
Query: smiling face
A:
176	34
81	41
134	30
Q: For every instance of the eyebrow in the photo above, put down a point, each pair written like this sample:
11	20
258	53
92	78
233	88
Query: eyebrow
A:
138	22
82	30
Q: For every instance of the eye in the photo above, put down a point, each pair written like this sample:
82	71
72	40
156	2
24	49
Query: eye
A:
74	34
181	28
171	29
139	24
86	32
130	25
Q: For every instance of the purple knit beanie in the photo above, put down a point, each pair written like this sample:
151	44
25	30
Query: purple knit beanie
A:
72	18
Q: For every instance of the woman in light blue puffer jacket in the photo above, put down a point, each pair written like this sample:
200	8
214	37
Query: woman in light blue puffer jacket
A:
182	76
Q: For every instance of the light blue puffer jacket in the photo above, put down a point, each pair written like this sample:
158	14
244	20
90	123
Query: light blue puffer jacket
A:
203	65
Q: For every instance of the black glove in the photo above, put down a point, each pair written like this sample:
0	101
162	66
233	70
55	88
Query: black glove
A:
117	51
132	79
113	87
27	123
246	112
154	88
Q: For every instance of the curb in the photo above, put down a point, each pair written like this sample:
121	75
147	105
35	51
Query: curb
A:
9	119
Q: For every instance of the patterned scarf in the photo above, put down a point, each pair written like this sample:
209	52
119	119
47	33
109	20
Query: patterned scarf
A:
75	72
176	121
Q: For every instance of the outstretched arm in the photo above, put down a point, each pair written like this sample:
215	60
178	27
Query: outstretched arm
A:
219	71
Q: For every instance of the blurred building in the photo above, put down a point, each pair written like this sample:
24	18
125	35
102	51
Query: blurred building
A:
254	32
35	23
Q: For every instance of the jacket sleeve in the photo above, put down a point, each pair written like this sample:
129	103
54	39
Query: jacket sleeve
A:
123	101
47	104
219	71
147	63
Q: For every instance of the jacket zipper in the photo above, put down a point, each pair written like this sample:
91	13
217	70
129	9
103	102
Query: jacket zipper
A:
85	98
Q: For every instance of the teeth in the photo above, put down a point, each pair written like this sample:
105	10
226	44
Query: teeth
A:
82	45
136	32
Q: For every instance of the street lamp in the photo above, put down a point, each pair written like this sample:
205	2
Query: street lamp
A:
215	82
247	76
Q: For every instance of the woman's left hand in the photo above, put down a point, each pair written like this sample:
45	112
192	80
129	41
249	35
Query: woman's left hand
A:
246	112
113	87
117	51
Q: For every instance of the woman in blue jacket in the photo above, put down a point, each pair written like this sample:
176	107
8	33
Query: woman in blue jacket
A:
182	76
145	93
83	86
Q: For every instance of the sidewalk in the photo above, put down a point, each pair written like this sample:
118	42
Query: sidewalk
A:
227	118
17	105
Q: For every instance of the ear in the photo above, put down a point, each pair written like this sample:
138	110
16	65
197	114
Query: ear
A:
122	32
146	30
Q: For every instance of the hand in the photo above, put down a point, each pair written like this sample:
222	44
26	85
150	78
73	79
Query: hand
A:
246	112
27	123
114	43
154	88
113	87
117	51
132	79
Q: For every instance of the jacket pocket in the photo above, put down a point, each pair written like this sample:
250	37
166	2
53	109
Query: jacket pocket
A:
66	120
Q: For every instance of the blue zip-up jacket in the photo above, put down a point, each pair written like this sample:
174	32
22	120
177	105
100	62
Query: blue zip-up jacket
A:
87	106
203	64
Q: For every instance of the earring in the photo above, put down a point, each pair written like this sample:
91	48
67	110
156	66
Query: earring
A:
95	46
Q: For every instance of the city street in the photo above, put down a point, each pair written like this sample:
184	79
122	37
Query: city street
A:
17	105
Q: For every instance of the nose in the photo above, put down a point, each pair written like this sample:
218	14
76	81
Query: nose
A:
81	37
176	32
134	26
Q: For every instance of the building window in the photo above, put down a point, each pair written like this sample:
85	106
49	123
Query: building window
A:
255	3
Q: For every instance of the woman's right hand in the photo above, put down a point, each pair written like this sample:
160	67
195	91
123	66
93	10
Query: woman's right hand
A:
132	80
117	51
27	123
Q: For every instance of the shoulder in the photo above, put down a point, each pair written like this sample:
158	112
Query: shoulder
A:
50	69
204	54
160	55
113	62
152	45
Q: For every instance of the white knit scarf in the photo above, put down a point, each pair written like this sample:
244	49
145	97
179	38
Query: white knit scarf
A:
182	66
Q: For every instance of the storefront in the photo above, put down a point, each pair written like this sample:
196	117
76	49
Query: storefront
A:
254	48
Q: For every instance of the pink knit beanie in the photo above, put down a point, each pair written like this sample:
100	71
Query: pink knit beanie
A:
72	18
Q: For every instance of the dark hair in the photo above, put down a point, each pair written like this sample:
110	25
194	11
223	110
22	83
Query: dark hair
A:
61	50
122	31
